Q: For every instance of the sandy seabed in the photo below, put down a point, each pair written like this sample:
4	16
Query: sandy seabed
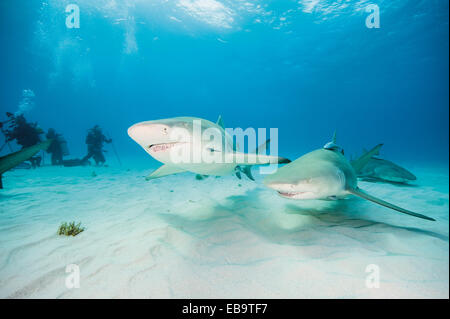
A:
178	237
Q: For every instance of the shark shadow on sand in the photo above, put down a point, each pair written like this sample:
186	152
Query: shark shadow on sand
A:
289	223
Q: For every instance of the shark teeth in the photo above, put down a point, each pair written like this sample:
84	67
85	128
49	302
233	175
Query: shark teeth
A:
289	194
162	146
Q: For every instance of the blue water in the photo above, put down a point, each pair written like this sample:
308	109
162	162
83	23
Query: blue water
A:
304	67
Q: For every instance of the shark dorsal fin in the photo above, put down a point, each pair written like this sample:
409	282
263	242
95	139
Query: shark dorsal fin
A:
222	125
332	146
261	149
333	140
360	162
220	122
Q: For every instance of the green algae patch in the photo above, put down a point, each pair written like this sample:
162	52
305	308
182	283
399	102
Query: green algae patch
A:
70	229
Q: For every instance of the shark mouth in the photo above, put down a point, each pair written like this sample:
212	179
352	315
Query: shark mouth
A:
161	147
295	195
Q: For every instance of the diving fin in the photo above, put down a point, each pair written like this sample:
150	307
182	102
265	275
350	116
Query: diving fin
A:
358	192
164	170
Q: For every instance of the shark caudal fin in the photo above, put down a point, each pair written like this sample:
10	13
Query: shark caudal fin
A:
164	170
358	192
12	160
360	162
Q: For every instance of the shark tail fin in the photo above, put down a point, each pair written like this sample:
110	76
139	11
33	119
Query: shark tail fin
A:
13	159
164	170
359	163
358	192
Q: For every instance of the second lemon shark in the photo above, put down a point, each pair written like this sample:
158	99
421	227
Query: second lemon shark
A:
326	174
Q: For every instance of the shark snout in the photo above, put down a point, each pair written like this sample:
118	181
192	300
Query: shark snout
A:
147	133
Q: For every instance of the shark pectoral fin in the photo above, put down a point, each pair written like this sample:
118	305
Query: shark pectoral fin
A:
164	171
247	170
237	171
358	192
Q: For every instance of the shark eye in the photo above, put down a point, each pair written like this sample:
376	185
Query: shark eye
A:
165	131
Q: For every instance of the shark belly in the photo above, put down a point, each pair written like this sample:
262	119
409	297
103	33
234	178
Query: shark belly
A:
208	169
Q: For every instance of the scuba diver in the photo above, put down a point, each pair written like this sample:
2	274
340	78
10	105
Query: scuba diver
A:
26	134
94	141
58	147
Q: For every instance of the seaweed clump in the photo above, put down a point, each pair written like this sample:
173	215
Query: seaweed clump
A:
70	229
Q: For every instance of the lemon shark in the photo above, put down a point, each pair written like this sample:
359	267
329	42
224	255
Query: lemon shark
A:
378	169
326	174
12	160
190	144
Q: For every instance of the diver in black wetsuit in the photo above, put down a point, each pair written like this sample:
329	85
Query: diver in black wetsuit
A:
94	141
26	134
57	147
